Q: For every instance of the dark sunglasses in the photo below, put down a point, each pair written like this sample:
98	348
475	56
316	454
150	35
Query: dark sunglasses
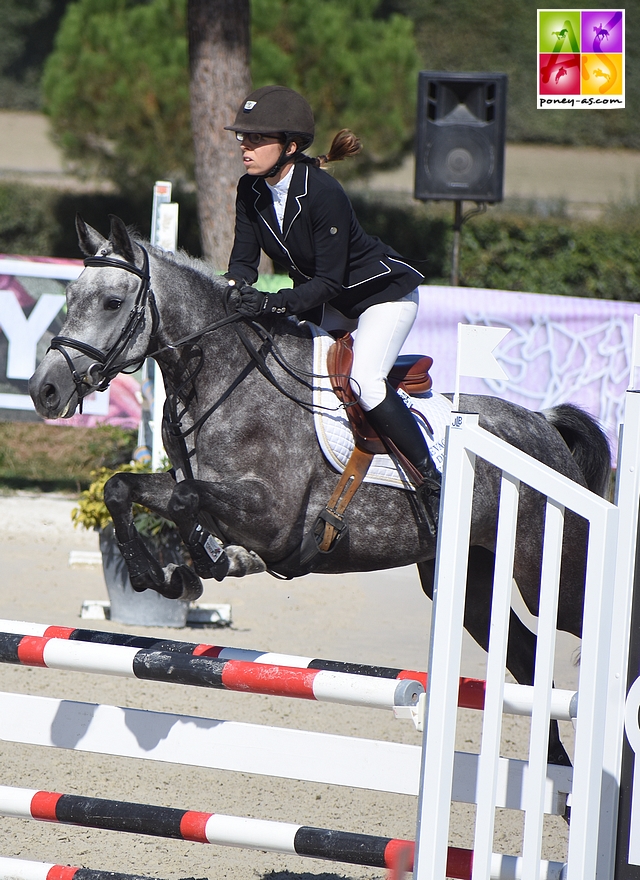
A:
256	139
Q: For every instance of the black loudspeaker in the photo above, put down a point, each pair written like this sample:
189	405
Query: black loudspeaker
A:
460	136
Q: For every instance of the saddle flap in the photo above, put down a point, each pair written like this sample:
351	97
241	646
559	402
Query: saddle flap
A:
410	372
339	363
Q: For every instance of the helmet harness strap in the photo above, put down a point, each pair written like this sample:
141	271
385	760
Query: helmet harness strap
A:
285	158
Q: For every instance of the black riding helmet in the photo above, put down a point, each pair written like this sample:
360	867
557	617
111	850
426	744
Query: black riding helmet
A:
277	108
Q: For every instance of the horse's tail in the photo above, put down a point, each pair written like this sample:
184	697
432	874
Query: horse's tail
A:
586	440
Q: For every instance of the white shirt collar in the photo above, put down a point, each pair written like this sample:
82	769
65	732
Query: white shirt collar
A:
279	192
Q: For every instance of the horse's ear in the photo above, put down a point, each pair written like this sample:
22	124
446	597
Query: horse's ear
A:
120	239
89	240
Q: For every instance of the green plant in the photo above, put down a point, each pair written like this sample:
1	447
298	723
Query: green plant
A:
92	512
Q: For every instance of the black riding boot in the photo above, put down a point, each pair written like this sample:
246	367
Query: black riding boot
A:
394	419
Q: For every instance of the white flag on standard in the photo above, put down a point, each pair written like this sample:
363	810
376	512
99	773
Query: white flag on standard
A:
475	351
475	355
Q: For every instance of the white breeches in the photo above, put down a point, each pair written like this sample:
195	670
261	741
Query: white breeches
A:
381	332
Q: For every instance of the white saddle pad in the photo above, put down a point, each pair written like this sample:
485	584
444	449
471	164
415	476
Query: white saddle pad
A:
334	432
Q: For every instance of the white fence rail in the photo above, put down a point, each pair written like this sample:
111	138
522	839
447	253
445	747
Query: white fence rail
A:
600	716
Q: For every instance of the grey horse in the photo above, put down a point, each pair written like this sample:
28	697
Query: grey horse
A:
249	478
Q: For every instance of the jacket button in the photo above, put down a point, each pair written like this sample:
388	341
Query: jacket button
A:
333	230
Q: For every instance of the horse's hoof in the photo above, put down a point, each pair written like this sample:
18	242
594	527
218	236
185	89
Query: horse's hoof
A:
243	562
181	583
140	583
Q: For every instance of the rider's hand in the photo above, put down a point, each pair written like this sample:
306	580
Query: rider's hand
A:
252	302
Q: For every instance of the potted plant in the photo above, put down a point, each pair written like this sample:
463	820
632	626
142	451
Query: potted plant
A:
161	537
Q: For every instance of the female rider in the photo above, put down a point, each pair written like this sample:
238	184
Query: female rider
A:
343	278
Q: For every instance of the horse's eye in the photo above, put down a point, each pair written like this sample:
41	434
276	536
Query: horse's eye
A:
113	304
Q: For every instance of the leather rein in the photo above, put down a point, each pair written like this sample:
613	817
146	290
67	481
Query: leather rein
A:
105	365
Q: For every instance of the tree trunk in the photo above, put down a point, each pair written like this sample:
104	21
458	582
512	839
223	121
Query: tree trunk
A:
219	54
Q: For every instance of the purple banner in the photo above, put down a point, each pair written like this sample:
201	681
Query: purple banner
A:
560	349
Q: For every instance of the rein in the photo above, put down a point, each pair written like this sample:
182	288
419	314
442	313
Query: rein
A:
257	360
106	365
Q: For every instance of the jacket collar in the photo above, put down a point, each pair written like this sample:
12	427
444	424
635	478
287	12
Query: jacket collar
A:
298	190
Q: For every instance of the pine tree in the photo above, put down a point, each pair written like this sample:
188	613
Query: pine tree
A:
117	87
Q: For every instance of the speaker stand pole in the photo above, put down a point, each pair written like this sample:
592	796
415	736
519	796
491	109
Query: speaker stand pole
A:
458	219
455	257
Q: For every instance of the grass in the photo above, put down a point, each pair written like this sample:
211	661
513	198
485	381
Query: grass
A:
52	458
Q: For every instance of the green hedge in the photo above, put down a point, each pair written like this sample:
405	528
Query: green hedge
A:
510	251
501	250
574	259
41	221
53	457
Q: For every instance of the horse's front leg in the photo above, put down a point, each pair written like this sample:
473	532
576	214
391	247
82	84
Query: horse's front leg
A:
145	573
211	559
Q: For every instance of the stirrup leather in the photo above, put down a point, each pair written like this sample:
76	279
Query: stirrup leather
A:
331	525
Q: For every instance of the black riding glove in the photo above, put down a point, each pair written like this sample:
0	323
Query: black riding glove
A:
252	302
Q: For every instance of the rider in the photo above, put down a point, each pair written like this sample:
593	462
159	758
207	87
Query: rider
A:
343	278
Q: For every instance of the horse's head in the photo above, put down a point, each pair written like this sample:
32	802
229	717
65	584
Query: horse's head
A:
109	323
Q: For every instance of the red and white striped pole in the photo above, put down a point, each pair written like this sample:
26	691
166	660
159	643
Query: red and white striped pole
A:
214	828
198	827
23	869
471	692
235	675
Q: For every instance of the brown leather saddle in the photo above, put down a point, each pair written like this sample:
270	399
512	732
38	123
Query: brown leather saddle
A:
410	373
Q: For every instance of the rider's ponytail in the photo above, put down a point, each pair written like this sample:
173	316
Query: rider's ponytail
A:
344	145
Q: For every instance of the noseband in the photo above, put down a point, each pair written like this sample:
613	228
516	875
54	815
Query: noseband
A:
104	367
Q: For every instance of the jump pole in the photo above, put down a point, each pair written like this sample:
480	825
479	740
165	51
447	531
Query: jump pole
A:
222	830
24	869
240	669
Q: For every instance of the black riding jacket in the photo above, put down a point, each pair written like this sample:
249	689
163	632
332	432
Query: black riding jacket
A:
329	256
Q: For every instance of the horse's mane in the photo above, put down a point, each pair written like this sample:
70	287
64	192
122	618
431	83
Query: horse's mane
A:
183	259
206	273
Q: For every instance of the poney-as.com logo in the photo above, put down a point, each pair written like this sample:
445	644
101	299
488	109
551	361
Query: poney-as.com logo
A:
580	58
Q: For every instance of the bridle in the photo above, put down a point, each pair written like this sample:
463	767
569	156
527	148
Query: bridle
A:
106	365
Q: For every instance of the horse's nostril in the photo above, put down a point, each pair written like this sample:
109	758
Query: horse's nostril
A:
49	393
